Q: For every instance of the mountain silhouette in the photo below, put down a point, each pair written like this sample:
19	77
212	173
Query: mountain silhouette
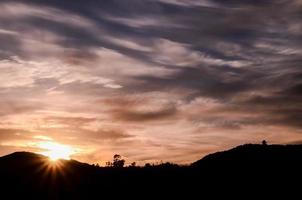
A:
249	168
262	155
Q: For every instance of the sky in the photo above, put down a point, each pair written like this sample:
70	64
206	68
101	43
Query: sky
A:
151	80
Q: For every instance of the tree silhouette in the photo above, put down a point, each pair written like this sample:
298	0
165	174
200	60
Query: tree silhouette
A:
133	164
118	161
264	142
147	165
108	164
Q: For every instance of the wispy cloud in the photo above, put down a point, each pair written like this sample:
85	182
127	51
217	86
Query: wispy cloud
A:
170	79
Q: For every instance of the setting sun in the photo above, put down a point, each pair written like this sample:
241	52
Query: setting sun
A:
56	151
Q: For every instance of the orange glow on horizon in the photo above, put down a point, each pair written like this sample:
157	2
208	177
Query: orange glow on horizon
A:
56	151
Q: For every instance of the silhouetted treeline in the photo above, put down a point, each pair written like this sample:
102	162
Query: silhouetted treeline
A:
251	169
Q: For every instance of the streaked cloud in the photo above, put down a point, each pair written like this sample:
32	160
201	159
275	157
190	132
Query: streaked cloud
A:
156	80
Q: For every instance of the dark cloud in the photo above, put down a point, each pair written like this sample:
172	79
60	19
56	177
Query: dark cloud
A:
205	81
248	2
80	134
295	90
139	109
10	45
140	116
109	134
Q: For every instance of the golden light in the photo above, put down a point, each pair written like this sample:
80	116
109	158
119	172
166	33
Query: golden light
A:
56	151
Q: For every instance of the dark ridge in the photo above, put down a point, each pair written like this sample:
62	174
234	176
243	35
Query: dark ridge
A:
255	153
250	168
22	155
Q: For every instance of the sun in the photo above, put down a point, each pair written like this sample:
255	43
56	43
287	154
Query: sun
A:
56	151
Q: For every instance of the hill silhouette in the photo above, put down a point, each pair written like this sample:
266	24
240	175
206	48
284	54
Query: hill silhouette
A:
249	168
261	155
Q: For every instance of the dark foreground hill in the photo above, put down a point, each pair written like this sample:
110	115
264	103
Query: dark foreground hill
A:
252	169
259	156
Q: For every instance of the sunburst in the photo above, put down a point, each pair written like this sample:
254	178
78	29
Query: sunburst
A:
56	151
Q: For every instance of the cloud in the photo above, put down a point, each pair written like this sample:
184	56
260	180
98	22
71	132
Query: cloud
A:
8	134
205	3
129	115
42	137
165	77
140	107
11	106
69	121
108	134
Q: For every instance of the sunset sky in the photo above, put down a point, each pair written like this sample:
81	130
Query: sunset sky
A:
151	80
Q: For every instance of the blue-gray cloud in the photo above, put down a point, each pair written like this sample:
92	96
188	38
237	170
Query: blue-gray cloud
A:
201	66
